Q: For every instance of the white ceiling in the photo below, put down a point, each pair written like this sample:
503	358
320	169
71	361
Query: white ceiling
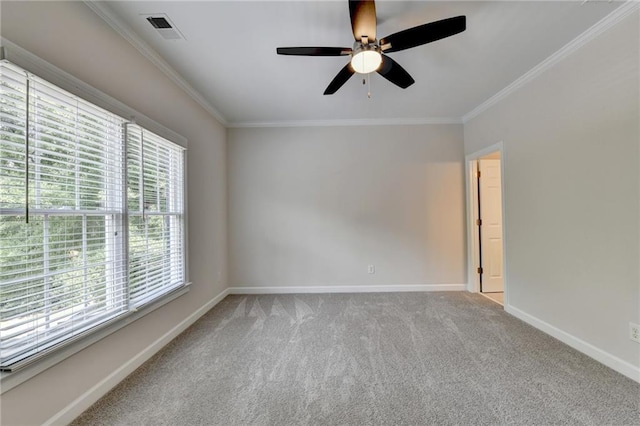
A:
229	55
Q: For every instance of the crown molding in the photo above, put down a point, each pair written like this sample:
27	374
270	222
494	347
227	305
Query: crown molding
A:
147	51
348	122
103	11
34	64
115	22
598	28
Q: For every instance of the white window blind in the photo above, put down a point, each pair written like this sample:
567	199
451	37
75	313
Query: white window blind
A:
155	203
65	192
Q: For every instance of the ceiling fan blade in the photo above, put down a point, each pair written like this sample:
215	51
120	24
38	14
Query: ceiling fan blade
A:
393	72
423	34
314	51
363	19
340	79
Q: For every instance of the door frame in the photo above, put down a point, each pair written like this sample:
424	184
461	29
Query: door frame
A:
473	240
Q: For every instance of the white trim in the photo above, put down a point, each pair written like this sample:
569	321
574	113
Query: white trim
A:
43	69
473	282
347	289
349	122
623	367
118	25
47	71
103	11
471	190
10	380
499	146
84	401
638	165
600	27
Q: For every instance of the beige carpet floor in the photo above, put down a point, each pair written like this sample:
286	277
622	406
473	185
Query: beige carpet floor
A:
367	359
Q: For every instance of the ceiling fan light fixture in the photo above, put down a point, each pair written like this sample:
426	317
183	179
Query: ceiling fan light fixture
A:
366	61
366	54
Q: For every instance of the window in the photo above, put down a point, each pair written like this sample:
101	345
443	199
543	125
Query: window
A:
154	201
91	217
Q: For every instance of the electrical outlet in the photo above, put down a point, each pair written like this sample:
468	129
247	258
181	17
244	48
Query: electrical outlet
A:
634	332
371	269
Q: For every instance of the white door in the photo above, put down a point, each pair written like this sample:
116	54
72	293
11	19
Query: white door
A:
490	189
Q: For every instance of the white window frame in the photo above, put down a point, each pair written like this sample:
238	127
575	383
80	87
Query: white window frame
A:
65	81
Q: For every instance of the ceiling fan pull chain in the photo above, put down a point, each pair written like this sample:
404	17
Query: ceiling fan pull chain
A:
369	92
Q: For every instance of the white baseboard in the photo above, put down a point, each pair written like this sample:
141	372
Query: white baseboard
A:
346	289
84	401
611	361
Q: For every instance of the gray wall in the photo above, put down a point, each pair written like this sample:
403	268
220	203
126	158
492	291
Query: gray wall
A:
572	189
72	37
314	206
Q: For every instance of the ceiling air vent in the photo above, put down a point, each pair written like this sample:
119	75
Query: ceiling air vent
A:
159	22
164	26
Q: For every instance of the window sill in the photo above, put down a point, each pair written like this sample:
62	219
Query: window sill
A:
10	380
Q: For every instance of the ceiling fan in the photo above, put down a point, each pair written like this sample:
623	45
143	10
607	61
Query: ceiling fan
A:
369	54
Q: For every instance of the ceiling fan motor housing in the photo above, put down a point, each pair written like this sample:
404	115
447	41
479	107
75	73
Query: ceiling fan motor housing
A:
366	55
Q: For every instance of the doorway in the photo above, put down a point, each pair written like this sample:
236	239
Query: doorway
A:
486	224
